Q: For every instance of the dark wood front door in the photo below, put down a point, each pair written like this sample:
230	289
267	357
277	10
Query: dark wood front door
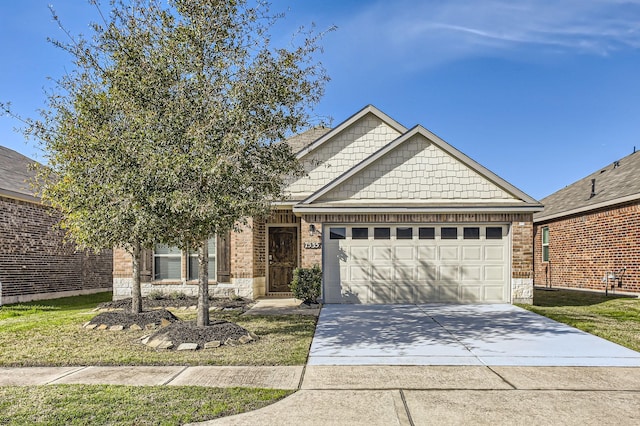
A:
224	258
283	257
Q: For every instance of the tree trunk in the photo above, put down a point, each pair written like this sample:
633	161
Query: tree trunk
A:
203	284
136	292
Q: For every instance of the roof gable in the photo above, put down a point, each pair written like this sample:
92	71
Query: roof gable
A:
342	148
419	169
615	183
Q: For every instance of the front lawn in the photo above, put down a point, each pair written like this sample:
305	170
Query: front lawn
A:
613	318
126	405
50	333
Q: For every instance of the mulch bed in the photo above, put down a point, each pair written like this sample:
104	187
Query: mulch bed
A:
127	319
188	332
185	302
168	327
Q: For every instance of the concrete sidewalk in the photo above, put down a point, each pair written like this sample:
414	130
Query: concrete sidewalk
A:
383	395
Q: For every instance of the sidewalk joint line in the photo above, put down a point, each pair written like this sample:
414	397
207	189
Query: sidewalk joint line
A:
304	369
501	377
171	379
67	374
406	407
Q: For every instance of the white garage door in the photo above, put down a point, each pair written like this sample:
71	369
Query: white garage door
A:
416	263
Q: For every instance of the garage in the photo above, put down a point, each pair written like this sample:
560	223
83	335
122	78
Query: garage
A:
416	263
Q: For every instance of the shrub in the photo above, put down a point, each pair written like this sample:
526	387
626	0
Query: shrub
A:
155	295
306	284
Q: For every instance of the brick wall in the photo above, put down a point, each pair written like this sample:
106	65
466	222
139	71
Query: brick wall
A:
34	259
582	248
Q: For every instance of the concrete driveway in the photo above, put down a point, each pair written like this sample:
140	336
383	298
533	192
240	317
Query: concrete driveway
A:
445	334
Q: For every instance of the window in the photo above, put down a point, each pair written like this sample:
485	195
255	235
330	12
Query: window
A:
382	233
193	267
493	233
427	233
403	233
545	244
167	262
449	233
471	233
360	233
337	233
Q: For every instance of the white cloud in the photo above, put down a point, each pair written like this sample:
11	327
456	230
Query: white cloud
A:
435	31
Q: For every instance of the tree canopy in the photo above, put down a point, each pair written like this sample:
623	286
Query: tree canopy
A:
169	126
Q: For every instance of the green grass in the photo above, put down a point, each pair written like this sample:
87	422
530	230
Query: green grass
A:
126	405
50	334
613	318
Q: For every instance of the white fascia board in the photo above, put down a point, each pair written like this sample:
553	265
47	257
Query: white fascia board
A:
348	122
19	196
584	209
311	209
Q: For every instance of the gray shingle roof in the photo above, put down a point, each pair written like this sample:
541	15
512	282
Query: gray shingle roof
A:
300	141
15	173
615	183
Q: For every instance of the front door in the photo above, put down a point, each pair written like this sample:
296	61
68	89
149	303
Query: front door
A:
283	257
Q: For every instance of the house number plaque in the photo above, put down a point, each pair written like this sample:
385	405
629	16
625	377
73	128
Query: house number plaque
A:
309	245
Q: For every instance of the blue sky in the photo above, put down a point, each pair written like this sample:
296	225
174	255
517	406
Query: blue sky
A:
541	92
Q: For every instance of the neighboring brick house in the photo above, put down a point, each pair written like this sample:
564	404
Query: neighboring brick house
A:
35	263
392	215
590	230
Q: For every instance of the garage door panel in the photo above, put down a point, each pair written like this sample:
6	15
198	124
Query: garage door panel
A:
427	253
404	293
360	253
404	252
382	273
494	273
381	253
449	253
494	253
448	293
471	253
493	293
471	273
360	273
449	273
471	293
380	293
404	273
422	269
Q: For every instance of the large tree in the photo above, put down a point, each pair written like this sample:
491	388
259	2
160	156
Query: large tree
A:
169	128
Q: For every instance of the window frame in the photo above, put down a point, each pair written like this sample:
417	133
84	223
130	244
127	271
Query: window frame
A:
545	243
185	256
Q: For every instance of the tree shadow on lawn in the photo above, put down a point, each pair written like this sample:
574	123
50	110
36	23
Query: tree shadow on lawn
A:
563	297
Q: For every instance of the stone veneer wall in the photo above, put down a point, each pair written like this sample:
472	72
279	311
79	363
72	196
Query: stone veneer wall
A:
36	263
521	239
583	247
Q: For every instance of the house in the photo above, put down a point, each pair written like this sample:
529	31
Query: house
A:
588	235
35	261
392	215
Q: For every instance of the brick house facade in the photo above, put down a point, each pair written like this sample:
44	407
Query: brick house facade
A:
35	261
390	214
592	230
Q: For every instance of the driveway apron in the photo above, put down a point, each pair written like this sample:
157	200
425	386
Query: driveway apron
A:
449	334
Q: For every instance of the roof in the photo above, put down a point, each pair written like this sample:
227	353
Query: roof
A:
615	183
304	139
15	175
